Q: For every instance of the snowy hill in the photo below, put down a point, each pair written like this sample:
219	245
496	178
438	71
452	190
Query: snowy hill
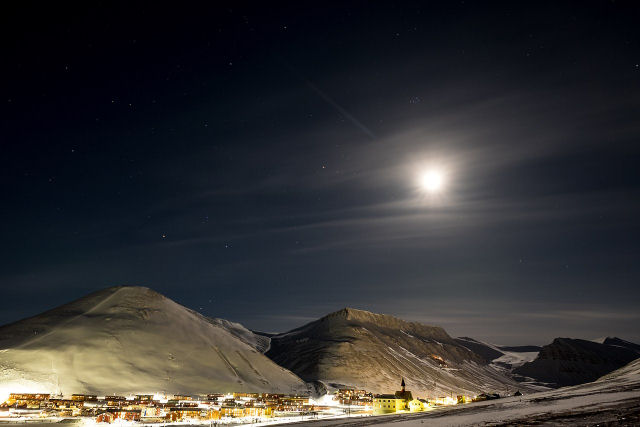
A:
374	351
134	340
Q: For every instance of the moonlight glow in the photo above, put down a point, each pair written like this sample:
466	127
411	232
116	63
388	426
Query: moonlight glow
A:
432	181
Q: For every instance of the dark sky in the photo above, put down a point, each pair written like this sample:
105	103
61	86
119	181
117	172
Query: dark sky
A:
261	164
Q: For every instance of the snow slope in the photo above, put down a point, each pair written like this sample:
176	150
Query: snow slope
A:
514	359
375	351
133	340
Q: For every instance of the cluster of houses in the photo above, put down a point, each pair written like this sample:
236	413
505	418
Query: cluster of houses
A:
147	408
352	396
179	408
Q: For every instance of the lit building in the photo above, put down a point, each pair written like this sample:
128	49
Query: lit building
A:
418	405
84	397
389	403
26	400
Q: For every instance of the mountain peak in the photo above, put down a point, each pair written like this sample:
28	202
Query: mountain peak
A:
387	321
350	313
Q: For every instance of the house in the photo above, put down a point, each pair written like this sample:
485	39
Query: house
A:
182	397
418	405
387	404
126	414
115	400
212	414
293	403
184	413
232	411
84	397
26	400
258	411
105	417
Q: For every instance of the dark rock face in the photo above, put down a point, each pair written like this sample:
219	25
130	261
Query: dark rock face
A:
480	348
568	361
374	351
615	341
520	348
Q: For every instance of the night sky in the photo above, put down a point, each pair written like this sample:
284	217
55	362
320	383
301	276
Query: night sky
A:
263	163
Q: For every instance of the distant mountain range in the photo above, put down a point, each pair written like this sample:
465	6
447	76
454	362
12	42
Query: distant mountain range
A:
569	361
564	362
126	340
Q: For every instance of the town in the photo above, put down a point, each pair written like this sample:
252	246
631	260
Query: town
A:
223	408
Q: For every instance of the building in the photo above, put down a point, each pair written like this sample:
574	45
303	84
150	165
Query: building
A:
84	397
115	400
404	394
126	414
232	411
387	404
105	417
245	395
181	397
466	399
350	396
258	411
390	403
418	405
185	413
215	397
27	400
293	403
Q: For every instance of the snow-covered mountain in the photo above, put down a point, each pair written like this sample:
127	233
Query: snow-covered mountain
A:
569	361
374	351
134	340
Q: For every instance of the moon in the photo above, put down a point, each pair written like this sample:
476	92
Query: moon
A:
432	181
